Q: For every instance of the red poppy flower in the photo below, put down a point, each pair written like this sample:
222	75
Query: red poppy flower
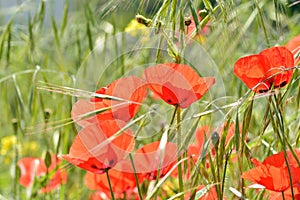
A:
194	150
80	113
35	167
92	151
272	173
130	91
294	46
153	157
129	194
211	194
122	182
208	193
262	71
287	194
177	84
98	195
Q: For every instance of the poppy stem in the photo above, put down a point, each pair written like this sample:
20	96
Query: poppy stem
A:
136	177
218	177
180	181
279	129
16	188
287	164
109	183
278	104
157	56
282	194
173	116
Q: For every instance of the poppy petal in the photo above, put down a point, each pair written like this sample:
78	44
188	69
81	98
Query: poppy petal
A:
210	193
294	46
35	167
30	167
58	178
252	71
287	194
80	110
280	59
150	158
195	150
129	88
121	181
91	149
177	84
273	173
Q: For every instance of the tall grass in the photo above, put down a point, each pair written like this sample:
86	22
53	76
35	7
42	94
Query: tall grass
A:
40	49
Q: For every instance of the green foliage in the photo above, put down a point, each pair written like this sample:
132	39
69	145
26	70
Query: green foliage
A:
41	54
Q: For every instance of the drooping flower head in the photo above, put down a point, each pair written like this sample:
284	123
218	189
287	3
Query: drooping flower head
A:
177	84
261	72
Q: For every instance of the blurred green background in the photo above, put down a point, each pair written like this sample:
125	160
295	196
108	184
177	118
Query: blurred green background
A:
48	41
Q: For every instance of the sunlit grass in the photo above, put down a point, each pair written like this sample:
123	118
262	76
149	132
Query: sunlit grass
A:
44	60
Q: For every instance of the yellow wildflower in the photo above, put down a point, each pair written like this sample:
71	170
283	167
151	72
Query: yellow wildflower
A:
7	143
132	26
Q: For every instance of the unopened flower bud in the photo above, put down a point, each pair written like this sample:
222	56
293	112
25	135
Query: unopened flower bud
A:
143	20
187	21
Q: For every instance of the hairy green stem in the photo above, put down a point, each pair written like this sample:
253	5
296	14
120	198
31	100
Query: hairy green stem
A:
136	177
282	139
110	186
180	181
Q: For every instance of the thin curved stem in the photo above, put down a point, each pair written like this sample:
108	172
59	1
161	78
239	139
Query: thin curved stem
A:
109	183
180	181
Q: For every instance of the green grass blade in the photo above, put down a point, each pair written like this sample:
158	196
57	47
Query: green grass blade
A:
65	19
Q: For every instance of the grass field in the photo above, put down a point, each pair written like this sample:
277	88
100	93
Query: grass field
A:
192	110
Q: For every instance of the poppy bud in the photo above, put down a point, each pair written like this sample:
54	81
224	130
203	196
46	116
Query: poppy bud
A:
14	122
187	21
18	172
47	114
143	20
48	159
215	139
